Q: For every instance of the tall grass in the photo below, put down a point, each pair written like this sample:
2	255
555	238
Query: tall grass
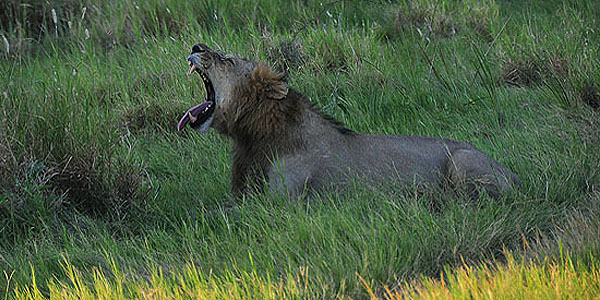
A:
549	279
92	168
563	277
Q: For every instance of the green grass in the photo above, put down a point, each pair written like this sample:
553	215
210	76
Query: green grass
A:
99	195
562	278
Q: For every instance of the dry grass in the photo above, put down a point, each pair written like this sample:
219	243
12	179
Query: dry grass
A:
522	72
288	54
427	19
481	26
531	69
441	20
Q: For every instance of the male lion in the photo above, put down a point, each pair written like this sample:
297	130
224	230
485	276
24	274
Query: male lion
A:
280	138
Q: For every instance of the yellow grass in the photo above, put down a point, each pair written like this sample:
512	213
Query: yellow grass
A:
564	278
550	279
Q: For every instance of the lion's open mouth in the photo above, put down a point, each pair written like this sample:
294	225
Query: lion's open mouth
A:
199	115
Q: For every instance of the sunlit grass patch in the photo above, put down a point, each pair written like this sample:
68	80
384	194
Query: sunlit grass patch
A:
187	282
560	277
564	278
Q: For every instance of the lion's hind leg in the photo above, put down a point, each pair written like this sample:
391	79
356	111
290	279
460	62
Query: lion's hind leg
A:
471	170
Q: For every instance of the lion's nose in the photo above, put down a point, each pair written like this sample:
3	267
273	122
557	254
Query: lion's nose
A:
193	59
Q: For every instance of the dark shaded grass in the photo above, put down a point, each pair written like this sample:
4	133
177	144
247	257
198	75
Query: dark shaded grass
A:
577	234
590	94
62	160
41	191
113	25
153	116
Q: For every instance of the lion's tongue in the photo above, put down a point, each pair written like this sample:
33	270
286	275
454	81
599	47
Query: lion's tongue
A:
193	114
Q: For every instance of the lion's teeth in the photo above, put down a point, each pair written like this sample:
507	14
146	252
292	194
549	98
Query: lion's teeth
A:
192	118
192	69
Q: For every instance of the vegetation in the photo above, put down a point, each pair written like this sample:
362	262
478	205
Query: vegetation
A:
100	197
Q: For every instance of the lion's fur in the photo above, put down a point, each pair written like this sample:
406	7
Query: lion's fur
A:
263	121
280	138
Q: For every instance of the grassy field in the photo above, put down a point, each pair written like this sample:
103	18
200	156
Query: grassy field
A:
100	197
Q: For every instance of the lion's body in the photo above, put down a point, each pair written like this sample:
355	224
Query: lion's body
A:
280	138
324	155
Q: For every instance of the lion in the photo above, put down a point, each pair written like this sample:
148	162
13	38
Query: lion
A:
282	142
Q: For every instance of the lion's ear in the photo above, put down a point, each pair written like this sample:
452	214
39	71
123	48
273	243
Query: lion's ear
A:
272	84
277	89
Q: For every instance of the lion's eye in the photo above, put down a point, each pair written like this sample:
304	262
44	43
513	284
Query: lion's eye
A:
197	48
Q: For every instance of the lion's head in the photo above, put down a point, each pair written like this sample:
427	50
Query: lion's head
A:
223	76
